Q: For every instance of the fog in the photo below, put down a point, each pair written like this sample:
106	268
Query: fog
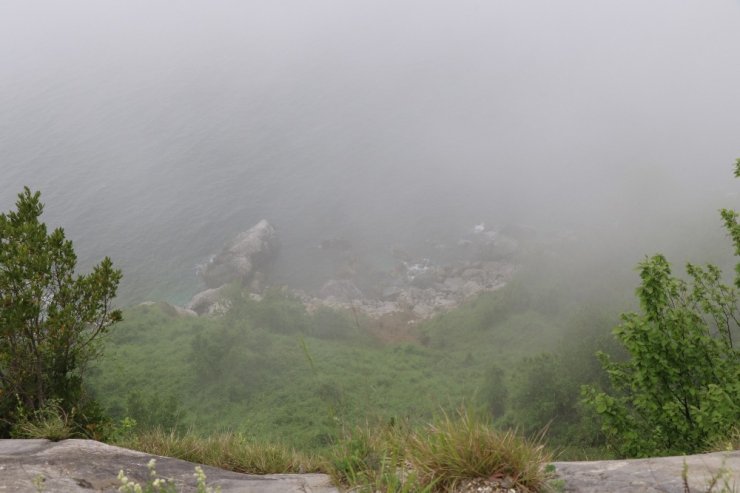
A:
158	130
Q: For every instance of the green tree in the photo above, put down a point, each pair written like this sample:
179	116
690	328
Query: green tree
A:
545	390
680	389
50	320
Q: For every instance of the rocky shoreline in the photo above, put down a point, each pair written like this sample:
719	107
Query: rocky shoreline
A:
414	290
446	287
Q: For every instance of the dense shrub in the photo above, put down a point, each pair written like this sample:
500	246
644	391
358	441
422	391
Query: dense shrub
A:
680	390
50	322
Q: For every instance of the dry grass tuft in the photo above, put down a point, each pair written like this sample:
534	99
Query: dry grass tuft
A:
451	451
444	456
727	443
448	455
229	451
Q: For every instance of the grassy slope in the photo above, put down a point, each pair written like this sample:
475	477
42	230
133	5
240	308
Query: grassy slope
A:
273	372
292	397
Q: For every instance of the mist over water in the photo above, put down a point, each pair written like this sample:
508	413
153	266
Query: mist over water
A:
157	131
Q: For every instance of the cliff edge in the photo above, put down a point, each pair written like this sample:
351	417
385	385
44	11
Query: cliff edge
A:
85	466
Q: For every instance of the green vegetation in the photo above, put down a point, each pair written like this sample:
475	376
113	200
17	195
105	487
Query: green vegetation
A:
726	443
227	450
269	387
680	390
438	456
393	457
50	422
271	372
50	324
450	451
250	372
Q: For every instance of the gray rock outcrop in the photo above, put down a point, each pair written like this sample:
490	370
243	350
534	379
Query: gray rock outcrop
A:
245	260
653	475
414	290
209	302
170	309
250	252
420	290
85	466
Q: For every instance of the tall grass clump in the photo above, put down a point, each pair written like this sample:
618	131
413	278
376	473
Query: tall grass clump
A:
50	422
450	451
231	451
727	443
358	456
372	459
441	456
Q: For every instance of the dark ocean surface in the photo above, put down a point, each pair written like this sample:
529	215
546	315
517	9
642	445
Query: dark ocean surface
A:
158	132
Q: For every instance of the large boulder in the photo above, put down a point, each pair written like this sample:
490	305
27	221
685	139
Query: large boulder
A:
169	309
209	302
250	252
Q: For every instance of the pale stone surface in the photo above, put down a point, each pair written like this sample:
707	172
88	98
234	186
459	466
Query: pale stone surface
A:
250	252
653	475
85	466
441	288
170	309
418	288
209	302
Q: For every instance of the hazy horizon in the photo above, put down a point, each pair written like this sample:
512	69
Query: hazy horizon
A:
158	132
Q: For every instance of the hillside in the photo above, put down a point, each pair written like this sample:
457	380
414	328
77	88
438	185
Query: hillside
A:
271	369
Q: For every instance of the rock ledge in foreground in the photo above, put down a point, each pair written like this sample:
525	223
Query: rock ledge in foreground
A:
85	466
653	475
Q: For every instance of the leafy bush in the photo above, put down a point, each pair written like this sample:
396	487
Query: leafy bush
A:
278	312
495	391
541	396
327	323
50	320
545	389
681	388
152	411
680	391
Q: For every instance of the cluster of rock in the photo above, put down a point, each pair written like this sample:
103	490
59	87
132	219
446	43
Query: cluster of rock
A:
245	260
421	289
418	289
